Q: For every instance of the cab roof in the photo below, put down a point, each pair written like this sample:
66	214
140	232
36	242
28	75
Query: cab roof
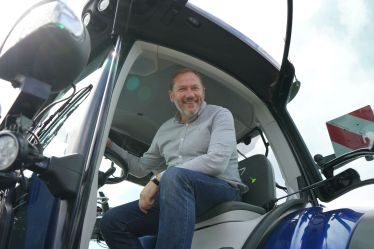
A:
188	29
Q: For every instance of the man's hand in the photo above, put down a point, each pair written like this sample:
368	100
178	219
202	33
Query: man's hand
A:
148	196
109	143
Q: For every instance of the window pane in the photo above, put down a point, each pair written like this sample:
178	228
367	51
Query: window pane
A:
332	51
257	147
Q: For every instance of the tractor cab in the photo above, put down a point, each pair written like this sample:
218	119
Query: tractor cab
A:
107	74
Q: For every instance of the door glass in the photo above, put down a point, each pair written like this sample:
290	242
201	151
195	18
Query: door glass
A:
332	51
257	147
119	193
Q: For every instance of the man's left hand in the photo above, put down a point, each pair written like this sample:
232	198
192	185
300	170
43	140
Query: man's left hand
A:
148	196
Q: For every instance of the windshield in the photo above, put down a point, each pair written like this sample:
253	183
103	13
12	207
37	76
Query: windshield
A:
263	22
332	51
58	140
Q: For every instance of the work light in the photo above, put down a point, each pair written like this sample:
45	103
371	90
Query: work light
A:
86	19
103	5
16	151
8	151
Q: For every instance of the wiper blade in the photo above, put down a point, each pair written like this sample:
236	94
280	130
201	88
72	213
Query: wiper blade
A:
54	103
44	127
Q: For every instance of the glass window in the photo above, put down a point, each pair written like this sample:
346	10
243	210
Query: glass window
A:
332	51
257	147
119	193
60	136
35	209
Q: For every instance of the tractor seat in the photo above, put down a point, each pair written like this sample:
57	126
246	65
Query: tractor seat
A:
257	173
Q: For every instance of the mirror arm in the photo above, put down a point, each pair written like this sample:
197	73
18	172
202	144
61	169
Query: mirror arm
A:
328	168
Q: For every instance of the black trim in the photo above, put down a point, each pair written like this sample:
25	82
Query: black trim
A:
249	136
296	143
88	176
280	89
7	200
278	109
301	185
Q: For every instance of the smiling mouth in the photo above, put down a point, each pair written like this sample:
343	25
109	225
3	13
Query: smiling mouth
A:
190	102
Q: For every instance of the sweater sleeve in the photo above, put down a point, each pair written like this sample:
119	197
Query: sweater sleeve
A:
221	146
142	166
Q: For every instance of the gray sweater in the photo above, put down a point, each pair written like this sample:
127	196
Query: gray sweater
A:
206	144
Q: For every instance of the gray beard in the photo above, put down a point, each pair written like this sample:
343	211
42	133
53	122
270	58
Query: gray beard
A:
187	114
184	112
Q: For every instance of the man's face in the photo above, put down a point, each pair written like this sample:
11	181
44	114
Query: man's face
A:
188	95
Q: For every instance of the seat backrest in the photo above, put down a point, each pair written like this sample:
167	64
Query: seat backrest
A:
258	174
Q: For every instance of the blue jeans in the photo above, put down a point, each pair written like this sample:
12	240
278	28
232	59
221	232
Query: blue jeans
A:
183	195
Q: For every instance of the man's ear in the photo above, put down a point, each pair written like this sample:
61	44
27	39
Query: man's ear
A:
171	96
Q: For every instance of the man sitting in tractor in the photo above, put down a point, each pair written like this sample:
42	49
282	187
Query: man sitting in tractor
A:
199	147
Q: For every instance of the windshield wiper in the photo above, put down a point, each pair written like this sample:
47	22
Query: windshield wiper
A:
66	109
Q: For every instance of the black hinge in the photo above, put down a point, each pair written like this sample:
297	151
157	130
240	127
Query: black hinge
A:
173	11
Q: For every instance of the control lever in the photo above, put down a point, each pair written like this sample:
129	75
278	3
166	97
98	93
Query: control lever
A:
104	204
103	176
102	200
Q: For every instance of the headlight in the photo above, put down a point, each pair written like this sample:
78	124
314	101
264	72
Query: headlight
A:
86	19
14	150
8	151
103	5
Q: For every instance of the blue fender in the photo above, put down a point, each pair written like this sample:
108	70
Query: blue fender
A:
315	228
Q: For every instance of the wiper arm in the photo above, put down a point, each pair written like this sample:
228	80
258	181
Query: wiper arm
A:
54	103
42	127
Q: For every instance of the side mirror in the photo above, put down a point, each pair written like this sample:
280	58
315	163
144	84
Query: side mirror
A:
49	44
295	87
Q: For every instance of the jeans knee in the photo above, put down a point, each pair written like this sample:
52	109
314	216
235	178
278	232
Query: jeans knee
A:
173	176
110	223
104	224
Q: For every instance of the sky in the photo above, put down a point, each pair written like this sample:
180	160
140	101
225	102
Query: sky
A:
333	53
332	50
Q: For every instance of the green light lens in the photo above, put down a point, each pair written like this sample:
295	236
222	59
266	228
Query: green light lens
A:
132	83
60	25
144	93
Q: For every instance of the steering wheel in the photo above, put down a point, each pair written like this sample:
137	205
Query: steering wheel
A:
118	160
